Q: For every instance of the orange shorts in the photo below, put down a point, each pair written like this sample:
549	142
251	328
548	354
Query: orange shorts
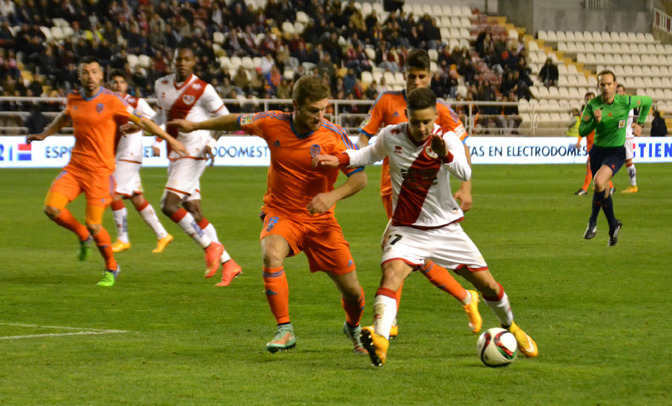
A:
97	187
321	238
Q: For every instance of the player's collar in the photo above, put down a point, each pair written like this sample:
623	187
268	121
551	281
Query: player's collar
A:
180	85
300	136
83	94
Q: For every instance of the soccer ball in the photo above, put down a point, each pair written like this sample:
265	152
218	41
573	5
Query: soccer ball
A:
497	347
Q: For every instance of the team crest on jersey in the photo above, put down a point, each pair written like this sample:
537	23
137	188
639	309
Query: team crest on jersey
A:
196	86
188	99
430	152
246	119
164	82
315	150
131	99
365	122
99	107
397	149
621	124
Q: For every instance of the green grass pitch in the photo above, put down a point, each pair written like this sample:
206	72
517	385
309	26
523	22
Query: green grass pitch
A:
599	314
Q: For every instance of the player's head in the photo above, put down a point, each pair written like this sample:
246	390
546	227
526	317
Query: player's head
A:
90	74
184	61
416	69
606	81
588	96
421	112
116	79
620	89
310	101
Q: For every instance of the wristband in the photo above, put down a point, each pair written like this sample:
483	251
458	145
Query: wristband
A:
343	159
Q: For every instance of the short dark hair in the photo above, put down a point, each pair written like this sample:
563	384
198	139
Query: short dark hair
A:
419	59
606	72
620	85
310	88
116	72
591	93
89	59
421	98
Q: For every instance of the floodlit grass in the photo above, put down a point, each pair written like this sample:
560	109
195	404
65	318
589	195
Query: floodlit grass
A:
598	313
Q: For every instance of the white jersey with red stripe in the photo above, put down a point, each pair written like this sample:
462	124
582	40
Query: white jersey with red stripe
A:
420	181
194	100
129	147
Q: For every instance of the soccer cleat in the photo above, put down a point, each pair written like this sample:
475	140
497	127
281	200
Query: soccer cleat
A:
475	320
613	233
212	254
162	243
109	277
591	230
526	344
354	334
630	189
581	192
119	246
376	345
230	270
85	248
394	332
284	339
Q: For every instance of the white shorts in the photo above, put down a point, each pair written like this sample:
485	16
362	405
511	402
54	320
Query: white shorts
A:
448	246
127	178
184	178
629	148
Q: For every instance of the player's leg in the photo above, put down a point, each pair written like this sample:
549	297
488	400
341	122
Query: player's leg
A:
394	330
148	214
275	249
120	216
496	298
614	159
352	301
230	269
632	171
596	158
126	175
99	189
586	180
63	190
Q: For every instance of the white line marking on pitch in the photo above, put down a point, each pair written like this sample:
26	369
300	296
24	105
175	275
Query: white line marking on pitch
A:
81	331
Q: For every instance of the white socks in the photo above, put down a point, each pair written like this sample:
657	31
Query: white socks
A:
384	313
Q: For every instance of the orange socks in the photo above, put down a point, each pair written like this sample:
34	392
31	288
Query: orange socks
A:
277	293
442	279
354	311
104	244
587	179
66	220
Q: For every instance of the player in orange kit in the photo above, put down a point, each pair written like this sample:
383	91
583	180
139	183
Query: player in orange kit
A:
298	211
95	114
390	108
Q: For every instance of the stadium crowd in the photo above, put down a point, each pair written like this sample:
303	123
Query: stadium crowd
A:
336	43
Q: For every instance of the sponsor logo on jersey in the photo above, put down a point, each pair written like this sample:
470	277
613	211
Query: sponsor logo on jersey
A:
131	99
246	119
188	99
621	123
365	122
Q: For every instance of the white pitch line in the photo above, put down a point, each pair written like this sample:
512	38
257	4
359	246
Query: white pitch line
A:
80	331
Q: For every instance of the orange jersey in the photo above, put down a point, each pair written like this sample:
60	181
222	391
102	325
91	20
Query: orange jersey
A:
390	108
292	181
95	121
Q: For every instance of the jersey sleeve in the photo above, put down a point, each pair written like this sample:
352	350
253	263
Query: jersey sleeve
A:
371	153
459	167
344	144
644	105
253	123
588	122
145	109
121	108
213	103
374	120
450	120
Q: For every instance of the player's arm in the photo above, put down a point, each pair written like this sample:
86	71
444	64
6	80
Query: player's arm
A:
152	128
228	122
463	194
644	104
324	201
451	151
588	121
61	120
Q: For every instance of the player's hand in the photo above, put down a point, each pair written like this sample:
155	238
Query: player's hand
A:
35	137
156	151
210	154
598	115
636	129
182	125
463	197
178	147
325	160
129	128
321	203
439	145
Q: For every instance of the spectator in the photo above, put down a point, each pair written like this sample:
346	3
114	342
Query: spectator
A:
549	73
467	71
349	80
510	119
658	126
36	121
439	84
372	91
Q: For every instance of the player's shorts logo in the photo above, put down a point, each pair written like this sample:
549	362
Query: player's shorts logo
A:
99	107
315	150
188	99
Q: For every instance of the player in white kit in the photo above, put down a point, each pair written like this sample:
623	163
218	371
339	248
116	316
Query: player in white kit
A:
127	173
425	217
629	147
184	95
